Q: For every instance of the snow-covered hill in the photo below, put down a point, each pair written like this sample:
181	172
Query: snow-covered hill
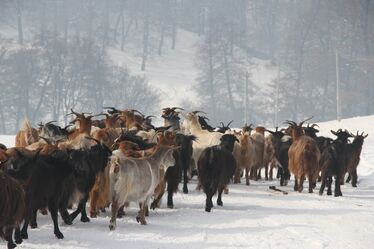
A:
252	217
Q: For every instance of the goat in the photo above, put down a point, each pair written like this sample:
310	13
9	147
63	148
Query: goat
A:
224	128
243	154
216	166
171	117
333	162
257	161
204	124
87	165
12	207
134	180
269	157
281	144
27	135
303	157
322	142
204	138
52	132
43	177
353	157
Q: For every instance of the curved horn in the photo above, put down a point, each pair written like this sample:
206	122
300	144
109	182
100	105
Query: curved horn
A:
113	110
334	132
302	122
314	125
228	125
195	112
150	116
133	110
289	122
176	108
271	132
50	122
222	124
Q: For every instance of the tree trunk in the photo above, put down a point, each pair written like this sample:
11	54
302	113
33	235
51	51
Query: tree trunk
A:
145	34
19	20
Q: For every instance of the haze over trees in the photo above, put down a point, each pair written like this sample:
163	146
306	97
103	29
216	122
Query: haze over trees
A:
54	55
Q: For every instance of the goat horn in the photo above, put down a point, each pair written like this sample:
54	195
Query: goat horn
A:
228	125
150	116
271	132
111	108
205	118
94	139
177	108
222	124
195	112
133	110
50	122
314	125
291	123
302	122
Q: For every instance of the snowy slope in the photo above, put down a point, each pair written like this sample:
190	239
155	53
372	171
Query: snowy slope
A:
252	217
173	74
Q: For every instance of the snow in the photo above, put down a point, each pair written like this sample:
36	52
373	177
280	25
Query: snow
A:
252	216
173	73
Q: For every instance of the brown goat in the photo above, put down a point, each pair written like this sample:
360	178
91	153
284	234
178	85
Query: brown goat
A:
12	207
257	160
303	157
27	135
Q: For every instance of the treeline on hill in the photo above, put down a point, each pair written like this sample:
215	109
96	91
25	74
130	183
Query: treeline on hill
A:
298	37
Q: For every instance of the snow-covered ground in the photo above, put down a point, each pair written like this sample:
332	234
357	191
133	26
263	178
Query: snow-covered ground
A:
252	217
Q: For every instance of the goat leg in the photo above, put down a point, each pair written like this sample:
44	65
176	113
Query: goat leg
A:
185	181
338	192
247	176
53	210
354	178
296	186
33	223
65	216
141	214
312	184
112	223
17	235
329	182
8	237
323	184
208	202
219	199
301	183
121	212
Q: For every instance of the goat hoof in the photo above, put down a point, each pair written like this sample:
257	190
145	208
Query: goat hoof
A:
154	205
354	185
11	245
207	209
85	219
59	235
24	235
171	206
112	226
18	241
185	190
68	221
310	191
34	225
321	193
329	193
44	211
93	214
219	203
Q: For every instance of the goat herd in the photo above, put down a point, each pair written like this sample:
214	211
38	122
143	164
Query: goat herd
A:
123	158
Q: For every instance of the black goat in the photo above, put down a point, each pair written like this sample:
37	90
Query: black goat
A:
216	167
353	157
87	164
322	142
204	124
43	177
281	144
223	128
52	132
333	162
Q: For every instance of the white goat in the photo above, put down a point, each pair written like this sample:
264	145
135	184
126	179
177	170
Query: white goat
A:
135	179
